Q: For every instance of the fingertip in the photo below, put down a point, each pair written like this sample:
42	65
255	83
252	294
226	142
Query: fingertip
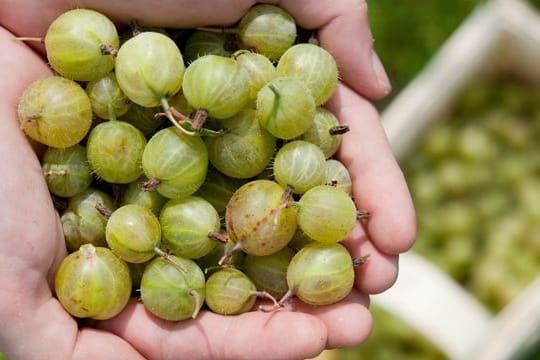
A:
378	271
348	38
348	322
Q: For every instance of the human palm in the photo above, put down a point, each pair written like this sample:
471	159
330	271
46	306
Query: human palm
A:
35	326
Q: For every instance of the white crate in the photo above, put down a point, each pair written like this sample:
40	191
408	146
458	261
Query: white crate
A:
500	35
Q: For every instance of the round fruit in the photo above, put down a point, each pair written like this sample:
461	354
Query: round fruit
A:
107	99
114	150
66	170
314	66
173	288
326	214
285	107
299	164
83	221
267	29
338	176
230	292
80	43
321	133
218	189
201	43
93	283
217	85
259	69
186	225
175	163
132	233
244	150
269	273
55	111
149	68
134	194
257	218
320	274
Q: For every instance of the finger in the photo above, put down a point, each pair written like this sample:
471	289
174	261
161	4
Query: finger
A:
378	183
110	345
343	29
252	335
338	23
379	271
23	19
348	323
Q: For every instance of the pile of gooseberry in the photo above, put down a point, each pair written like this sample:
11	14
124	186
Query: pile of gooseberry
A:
192	169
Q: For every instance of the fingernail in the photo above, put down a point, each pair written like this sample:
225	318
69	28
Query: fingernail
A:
380	73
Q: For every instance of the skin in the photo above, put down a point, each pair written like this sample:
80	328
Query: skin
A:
32	247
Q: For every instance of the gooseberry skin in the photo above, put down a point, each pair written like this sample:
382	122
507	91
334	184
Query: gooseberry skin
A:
254	218
186	224
326	214
132	233
218	188
93	283
230	292
178	161
321	274
319	133
244	150
114	150
66	170
267	29
338	176
171	293
55	111
73	44
143	118
201	43
107	99
299	164
149	67
216	84
134	194
82	223
315	66
269	273
285	107
209	263
260	71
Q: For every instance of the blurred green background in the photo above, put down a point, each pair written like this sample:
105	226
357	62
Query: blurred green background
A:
474	177
407	34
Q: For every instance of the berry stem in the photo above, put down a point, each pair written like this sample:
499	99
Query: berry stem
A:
27	38
285	202
111	109
360	260
214	235
339	129
103	210
362	215
55	172
168	113
150	185
134	27
266	295
228	254
198	302
288	296
169	259
199	119
107	49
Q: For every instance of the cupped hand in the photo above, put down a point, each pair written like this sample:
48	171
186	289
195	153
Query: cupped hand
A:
35	326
